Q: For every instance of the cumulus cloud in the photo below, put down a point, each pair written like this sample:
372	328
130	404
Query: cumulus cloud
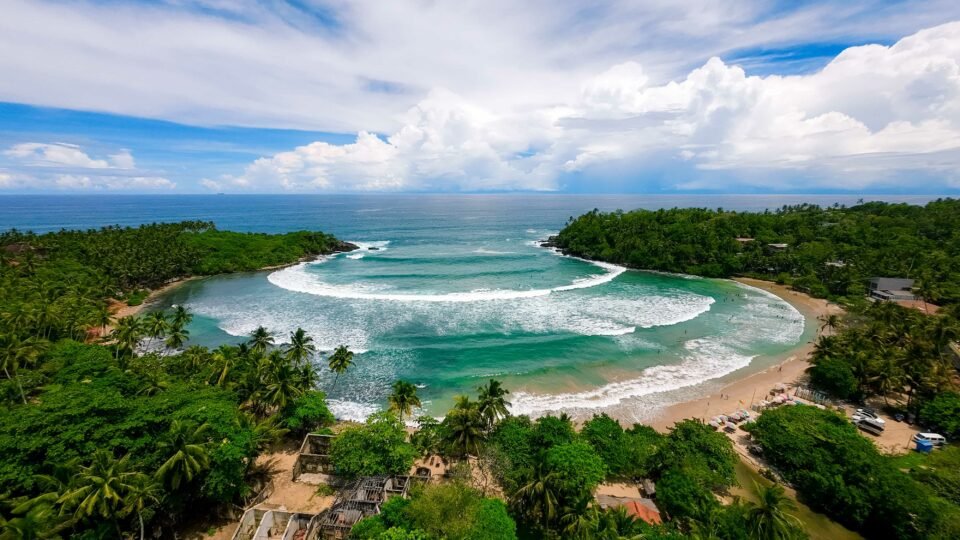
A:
872	111
68	167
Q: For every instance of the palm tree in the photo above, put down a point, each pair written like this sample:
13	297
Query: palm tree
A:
141	493
581	518
769	519
260	340
196	356
16	353
177	337
464	427
493	404
223	357
102	318
404	398
126	333
281	380
339	362
98	489
34	522
181	316
301	346
188	454
537	498
157	325
831	321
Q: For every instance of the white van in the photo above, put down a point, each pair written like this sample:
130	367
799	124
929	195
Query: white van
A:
936	439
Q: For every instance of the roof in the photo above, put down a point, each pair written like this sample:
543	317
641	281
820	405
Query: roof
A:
643	512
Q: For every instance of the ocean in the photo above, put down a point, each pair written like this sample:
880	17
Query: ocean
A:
448	291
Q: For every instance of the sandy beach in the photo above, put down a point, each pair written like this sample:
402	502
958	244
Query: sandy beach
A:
753	387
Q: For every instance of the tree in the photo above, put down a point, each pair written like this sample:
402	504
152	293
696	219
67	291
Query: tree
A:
308	411
126	334
492	402
281	383
98	489
464	427
187	447
181	317
943	412
339	362
404	398
769	519
831	321
260	340
142	492
156	325
576	468
16	353
300	347
536	499
377	447
177	336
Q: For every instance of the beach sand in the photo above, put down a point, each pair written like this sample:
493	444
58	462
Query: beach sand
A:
753	387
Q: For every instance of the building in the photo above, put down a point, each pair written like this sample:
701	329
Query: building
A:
891	289
778	247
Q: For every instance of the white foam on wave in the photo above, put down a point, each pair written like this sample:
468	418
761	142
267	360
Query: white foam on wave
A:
485	251
380	245
706	359
351	410
356	256
296	278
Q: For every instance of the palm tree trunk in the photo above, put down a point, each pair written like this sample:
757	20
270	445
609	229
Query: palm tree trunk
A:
140	517
20	386
335	379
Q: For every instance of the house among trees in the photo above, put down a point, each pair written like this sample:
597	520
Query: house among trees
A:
891	289
778	247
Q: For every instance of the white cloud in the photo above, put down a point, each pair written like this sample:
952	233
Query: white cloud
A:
42	166
871	112
351	66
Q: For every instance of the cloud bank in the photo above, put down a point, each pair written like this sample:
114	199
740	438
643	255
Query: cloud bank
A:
62	166
872	113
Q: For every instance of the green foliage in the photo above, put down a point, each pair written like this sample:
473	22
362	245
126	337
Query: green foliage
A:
943	413
835	376
840	473
576	467
308	412
941	472
627	454
704	454
681	495
377	447
449	510
553	430
872	239
225	251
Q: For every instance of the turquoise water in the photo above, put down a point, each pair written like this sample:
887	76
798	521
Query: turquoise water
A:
449	291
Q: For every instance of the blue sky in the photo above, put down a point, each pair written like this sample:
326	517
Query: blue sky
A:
199	96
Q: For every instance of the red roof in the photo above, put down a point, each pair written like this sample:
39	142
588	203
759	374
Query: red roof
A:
641	511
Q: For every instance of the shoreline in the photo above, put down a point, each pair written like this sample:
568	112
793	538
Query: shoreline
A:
740	392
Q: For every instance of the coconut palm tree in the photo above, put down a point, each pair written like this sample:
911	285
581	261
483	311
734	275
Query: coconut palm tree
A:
177	337
281	380
156	325
181	316
142	492
189	456
98	489
339	362
126	334
16	353
831	321
102	318
404	398
770	518
260	340
464	427
580	518
34	522
223	358
300	347
493	404
195	357
536	499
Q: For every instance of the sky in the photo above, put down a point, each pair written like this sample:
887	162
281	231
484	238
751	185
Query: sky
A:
334	96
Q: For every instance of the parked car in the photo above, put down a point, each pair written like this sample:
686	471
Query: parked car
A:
935	438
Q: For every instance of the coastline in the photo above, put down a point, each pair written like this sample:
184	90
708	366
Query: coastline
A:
739	393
